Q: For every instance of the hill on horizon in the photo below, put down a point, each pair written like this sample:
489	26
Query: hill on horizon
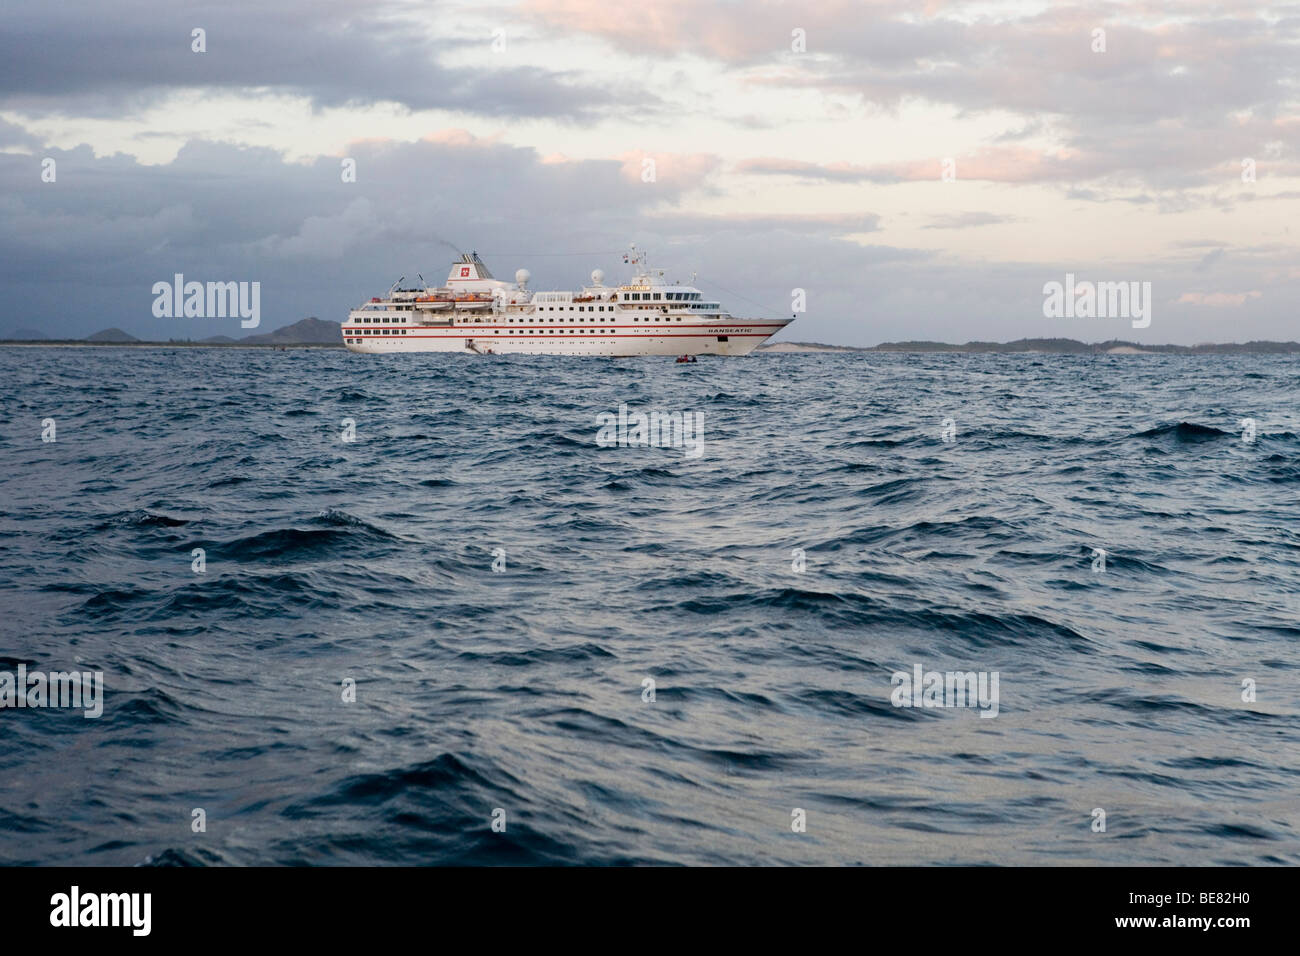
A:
26	335
308	331
111	335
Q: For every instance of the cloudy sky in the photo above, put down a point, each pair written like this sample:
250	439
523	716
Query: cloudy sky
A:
795	145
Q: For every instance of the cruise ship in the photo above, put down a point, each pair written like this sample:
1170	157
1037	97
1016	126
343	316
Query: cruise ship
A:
477	313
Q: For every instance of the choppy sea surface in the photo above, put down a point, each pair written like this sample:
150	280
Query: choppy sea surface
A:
1125	679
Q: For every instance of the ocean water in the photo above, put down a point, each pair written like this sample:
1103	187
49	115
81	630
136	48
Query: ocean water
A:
1122	688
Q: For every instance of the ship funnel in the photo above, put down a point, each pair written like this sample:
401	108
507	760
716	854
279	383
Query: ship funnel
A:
469	268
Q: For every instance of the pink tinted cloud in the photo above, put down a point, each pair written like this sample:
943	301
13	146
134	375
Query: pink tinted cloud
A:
461	138
682	170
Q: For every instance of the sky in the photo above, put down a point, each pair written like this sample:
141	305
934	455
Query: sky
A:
918	170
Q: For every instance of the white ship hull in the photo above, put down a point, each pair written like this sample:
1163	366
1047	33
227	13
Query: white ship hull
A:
710	339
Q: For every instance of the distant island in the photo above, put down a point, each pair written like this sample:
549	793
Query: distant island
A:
310	332
317	333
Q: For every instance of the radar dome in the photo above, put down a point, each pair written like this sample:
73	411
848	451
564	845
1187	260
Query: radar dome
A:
522	277
597	277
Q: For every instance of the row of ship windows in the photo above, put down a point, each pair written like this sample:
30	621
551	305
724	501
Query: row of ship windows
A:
635	318
494	331
498	332
647	319
601	308
626	297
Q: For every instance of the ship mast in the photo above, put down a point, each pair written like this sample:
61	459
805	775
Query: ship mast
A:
640	262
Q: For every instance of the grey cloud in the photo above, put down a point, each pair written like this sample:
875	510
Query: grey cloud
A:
82	58
11	134
967	220
843	172
1030	129
1196	244
1209	259
838	224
